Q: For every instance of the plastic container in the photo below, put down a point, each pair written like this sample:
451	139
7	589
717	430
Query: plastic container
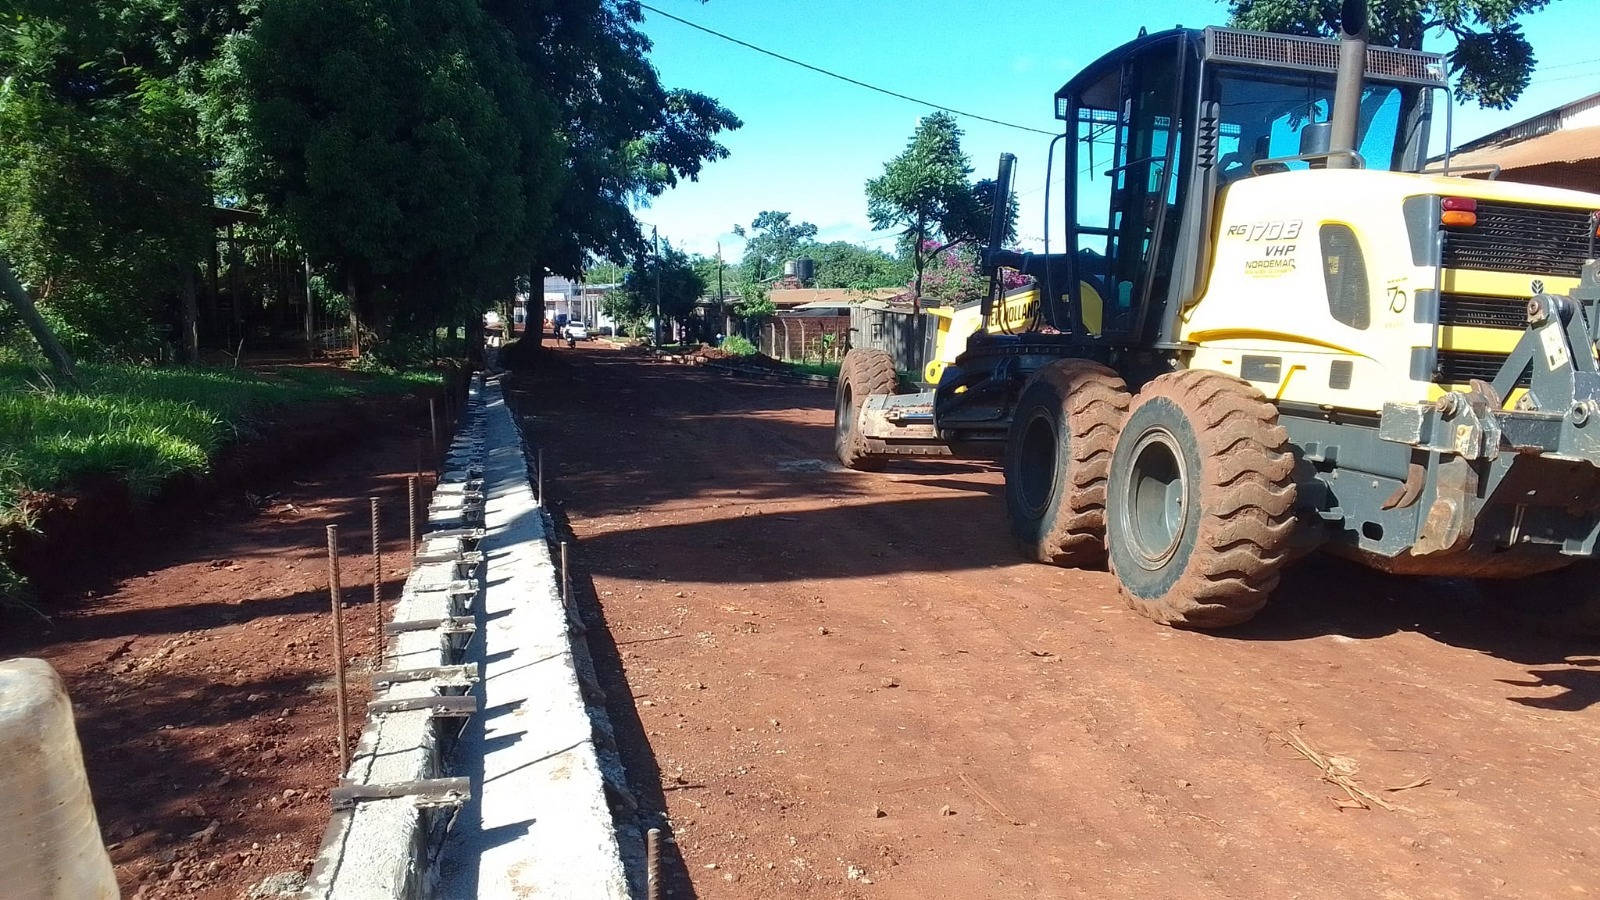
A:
50	846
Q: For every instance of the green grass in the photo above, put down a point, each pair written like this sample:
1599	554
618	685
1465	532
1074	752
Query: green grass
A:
830	369
144	426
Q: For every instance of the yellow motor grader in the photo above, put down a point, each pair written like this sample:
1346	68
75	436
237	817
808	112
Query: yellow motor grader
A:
1276	326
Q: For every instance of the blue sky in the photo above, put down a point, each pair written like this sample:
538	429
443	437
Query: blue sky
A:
810	143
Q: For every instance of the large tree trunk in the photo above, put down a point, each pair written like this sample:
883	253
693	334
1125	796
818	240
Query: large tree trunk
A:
190	315
13	290
474	331
355	305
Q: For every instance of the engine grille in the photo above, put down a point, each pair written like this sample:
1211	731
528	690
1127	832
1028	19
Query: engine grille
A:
1472	311
1460	366
1509	237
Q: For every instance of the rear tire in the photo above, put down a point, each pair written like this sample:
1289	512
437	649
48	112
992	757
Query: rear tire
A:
863	373
1058	458
1566	601
1201	506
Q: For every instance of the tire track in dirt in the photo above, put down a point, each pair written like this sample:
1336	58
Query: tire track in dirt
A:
809	648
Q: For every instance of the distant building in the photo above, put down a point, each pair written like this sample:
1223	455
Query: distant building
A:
1559	148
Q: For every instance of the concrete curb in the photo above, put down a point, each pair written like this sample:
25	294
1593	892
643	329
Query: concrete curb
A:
533	818
380	847
538	823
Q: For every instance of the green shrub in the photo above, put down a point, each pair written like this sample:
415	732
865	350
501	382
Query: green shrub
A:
738	345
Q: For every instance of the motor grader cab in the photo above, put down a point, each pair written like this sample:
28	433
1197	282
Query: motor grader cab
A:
1274	326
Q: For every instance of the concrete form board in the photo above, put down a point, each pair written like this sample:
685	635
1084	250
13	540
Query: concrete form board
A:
538	824
379	849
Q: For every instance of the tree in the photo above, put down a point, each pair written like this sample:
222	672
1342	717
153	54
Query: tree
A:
1492	60
924	191
755	301
628	137
104	194
670	278
400	142
841	264
771	239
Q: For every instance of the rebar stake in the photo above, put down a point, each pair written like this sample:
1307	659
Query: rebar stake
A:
652	864
411	512
539	477
566	582
377	583
433	427
338	646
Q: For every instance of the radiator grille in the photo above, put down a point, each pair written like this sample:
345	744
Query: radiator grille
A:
1472	311
1532	240
1460	366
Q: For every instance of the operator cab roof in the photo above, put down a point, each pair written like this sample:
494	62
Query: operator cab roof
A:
1099	85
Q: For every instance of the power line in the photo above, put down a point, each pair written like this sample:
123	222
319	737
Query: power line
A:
844	78
1565	65
1565	77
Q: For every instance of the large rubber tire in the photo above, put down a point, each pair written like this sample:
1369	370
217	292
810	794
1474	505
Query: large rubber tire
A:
863	373
1058	458
1200	514
1566	601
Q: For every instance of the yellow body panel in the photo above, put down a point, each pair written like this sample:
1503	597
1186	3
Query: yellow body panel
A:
1015	314
1267	294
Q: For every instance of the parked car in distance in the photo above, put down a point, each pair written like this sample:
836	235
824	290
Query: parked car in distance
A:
577	331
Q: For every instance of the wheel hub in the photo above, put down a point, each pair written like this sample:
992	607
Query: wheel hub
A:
1157	507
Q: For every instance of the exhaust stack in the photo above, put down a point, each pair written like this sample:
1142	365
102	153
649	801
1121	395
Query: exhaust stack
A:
993	255
1347	91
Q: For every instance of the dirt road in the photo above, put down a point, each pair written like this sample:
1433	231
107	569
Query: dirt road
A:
848	685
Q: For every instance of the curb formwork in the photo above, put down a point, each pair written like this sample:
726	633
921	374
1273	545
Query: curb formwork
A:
478	773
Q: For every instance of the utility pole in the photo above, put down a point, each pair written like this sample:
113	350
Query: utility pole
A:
722	299
655	238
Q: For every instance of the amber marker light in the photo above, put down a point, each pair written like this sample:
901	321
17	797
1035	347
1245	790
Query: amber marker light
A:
1459	212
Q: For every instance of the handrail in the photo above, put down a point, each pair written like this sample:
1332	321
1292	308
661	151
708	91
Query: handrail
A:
1492	168
1360	161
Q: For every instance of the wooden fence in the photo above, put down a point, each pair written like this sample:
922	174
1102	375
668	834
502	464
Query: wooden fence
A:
804	338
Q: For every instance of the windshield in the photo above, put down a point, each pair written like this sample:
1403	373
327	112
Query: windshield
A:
1265	113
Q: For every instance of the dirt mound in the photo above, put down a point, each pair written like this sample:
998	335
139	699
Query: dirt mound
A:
753	360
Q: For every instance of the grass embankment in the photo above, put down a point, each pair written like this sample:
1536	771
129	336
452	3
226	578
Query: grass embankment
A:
830	369
144	426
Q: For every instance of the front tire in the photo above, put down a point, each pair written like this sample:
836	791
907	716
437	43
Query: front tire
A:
863	373
1200	511
1058	459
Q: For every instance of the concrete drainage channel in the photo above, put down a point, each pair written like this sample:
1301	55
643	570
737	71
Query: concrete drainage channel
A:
483	770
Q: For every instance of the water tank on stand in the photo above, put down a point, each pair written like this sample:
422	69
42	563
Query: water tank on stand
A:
805	269
50	846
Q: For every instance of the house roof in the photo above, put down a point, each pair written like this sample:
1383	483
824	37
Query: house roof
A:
789	298
1570	146
1536	125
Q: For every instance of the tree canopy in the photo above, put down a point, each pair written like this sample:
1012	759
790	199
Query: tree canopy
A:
771	240
670	276
925	193
1492	60
423	155
841	264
